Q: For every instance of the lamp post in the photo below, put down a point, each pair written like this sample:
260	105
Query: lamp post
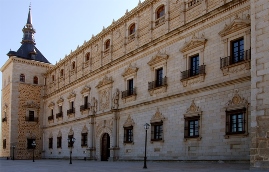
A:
33	146
146	127
71	141
13	147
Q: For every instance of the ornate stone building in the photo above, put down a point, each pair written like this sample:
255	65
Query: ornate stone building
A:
197	71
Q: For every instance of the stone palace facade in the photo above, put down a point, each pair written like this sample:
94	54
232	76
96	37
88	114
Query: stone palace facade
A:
197	71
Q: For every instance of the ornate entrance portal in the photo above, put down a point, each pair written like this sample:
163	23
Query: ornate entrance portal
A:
105	145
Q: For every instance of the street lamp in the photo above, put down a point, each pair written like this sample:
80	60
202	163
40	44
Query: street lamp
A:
13	147
146	127
33	146
71	141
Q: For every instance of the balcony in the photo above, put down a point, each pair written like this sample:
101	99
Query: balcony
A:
192	73
86	106
131	37
50	118
238	58
156	84
4	119
159	21
30	118
70	111
128	93
59	115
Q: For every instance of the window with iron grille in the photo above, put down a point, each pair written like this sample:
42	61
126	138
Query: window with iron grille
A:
156	131
159	77
59	142
29	143
84	139
194	68
128	134
130	86
4	144
235	121
191	127
31	115
22	78
50	143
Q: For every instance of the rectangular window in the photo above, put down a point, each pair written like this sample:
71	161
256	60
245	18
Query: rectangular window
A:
235	121
4	144
29	143
159	77
128	134
70	137
130	86
51	112
31	115
191	127
84	139
194	68
60	109
50	143
238	50
71	105
156	131
85	101
59	142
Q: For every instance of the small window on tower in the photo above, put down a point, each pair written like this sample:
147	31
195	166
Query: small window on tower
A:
22	78
35	80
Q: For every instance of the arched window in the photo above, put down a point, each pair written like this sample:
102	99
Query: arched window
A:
53	77
35	80
107	44
22	78
62	72
73	65
160	12
87	57
132	29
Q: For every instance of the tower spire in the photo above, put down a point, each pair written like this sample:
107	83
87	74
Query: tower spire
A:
28	30
29	19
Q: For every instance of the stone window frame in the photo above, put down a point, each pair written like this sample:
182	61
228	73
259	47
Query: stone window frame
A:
71	99
51	115
84	140
59	140
129	124
5	107
157	120
31	106
35	80
60	108
159	20
85	92
87	59
107	48
61	73
238	28
237	103
191	48
158	61
193	112
132	35
193	3
50	141
130	73
22	77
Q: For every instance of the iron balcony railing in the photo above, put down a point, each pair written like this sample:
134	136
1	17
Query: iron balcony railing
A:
193	72
160	21
70	111
59	115
50	117
128	93
4	119
157	83
235	58
29	118
85	106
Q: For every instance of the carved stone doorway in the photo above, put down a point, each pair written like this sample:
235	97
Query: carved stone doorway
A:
105	145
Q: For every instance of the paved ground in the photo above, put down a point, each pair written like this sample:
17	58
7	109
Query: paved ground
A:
97	166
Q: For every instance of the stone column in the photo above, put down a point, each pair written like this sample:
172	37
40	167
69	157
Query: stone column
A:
92	149
114	150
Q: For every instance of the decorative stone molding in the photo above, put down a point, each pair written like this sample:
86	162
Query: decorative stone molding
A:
85	129
72	96
59	133
104	99
30	135
94	105
193	80
129	122
105	81
51	135
157	117
115	100
71	132
51	105
130	71
193	44
236	25
237	102
104	126
158	59
129	98
235	68
158	90
86	90
60	101
32	105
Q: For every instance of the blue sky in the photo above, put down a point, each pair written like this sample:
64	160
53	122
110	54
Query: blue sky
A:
61	25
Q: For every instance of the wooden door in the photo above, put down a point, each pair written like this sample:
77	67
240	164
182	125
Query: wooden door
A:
105	145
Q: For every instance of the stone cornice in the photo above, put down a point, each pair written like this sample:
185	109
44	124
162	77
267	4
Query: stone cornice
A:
171	34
